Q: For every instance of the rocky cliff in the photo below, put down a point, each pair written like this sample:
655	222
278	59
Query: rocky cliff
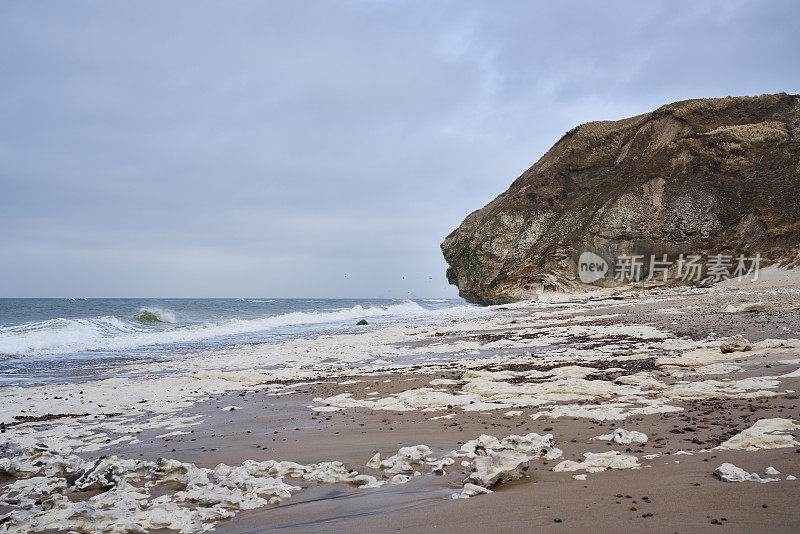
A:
701	176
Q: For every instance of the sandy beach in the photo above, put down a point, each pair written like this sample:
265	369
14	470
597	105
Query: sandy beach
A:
562	375
399	267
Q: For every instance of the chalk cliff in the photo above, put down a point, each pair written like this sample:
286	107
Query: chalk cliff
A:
700	176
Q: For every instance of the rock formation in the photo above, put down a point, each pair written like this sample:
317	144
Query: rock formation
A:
704	176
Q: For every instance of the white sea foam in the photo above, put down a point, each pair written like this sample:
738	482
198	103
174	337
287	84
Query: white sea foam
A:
109	333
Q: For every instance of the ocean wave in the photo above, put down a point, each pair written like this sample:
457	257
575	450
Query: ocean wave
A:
110	333
154	315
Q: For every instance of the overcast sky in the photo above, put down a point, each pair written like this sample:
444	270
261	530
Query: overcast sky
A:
271	148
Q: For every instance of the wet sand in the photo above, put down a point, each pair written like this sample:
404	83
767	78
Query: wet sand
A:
672	490
684	495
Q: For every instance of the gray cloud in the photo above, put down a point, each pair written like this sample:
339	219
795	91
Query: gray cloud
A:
218	149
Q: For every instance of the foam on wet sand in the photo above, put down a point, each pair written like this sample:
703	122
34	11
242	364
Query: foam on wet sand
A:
572	364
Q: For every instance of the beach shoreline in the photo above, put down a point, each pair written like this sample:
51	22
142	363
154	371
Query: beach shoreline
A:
576	367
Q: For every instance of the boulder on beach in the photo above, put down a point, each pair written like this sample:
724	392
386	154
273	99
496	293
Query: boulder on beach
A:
735	344
745	308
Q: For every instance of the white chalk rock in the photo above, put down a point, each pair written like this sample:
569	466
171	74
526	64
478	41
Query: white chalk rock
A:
624	437
771	471
791	477
400	479
730	473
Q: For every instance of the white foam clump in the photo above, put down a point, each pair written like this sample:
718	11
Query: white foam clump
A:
764	434
608	411
403	461
730	473
624	437
637	394
497	467
495	461
44	478
470	490
443	382
485	390
492	460
708	354
600	461
721	368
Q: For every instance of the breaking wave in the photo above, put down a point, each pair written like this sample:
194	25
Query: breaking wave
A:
110	333
154	315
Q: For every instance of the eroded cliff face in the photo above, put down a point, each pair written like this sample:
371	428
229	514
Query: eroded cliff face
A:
700	176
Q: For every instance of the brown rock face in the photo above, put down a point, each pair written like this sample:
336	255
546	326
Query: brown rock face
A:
702	176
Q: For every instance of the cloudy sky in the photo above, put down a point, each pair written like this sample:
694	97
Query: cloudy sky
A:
318	148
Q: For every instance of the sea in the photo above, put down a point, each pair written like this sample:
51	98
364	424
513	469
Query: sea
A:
62	340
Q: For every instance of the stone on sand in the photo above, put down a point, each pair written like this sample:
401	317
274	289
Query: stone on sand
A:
735	344
747	307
